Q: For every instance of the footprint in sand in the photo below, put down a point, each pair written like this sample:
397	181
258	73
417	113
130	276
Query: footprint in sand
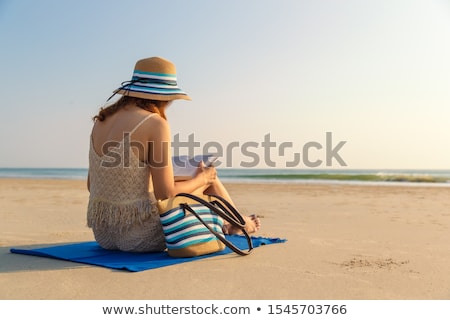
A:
373	263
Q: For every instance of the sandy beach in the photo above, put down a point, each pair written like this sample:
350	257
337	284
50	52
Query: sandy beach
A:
344	242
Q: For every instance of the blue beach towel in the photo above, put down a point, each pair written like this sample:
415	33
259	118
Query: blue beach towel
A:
91	253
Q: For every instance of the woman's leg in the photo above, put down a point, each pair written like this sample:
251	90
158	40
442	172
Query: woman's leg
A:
252	222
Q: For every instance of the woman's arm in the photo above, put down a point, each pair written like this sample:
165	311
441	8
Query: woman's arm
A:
160	160
203	179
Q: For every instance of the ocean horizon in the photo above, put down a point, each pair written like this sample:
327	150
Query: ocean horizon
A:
273	175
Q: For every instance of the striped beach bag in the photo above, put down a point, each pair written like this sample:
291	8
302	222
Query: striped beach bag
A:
192	225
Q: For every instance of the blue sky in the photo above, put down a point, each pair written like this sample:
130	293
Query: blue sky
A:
375	74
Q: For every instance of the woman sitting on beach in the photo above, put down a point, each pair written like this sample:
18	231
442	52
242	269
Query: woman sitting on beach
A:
130	165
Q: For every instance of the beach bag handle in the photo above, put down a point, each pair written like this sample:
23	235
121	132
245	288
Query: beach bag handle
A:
226	211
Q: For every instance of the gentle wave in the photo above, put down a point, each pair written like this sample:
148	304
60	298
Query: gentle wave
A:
347	177
267	175
441	177
44	173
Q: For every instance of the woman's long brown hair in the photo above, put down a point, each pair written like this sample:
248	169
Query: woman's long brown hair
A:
154	106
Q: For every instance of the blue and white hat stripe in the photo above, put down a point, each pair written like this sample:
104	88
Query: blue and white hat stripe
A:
155	76
153	83
153	90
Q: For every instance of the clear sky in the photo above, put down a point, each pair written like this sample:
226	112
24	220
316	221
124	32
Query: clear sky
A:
375	74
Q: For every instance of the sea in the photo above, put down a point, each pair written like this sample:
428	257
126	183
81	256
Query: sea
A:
439	178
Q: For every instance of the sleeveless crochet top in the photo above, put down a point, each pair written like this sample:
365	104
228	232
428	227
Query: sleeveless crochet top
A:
121	193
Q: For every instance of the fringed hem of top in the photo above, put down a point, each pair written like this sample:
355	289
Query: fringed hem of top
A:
103	213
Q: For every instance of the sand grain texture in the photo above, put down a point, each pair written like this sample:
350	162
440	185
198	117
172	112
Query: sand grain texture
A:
344	242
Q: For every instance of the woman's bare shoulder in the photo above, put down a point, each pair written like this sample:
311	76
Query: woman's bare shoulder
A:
154	127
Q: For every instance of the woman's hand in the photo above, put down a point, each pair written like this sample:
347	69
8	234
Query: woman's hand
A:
209	174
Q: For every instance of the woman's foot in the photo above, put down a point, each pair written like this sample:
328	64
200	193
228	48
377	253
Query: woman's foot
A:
252	224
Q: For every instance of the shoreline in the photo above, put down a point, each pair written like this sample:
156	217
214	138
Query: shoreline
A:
343	242
390	177
307	182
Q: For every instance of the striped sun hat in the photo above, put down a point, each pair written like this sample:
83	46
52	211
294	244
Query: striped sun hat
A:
153	78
